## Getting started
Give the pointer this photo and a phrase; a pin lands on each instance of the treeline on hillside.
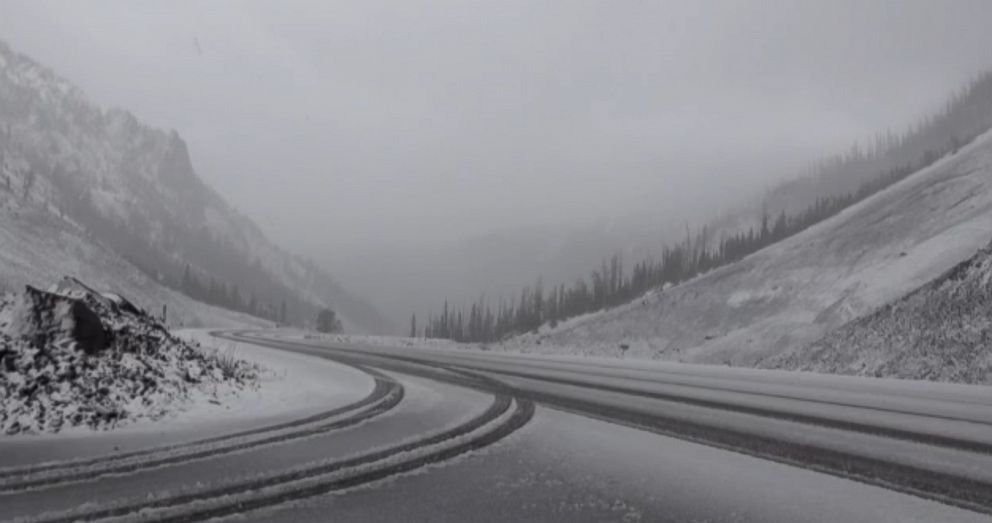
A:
(213, 292)
(966, 116)
(237, 290)
(611, 284)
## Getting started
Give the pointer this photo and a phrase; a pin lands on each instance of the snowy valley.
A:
(509, 261)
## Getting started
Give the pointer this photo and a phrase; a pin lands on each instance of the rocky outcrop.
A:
(71, 356)
(45, 319)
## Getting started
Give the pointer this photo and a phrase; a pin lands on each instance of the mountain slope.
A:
(941, 331)
(964, 116)
(133, 188)
(496, 264)
(37, 246)
(793, 292)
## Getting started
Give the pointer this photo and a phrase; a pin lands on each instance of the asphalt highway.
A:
(440, 435)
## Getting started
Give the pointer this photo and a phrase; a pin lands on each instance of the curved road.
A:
(458, 436)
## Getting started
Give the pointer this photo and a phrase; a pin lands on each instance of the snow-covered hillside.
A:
(942, 331)
(790, 294)
(133, 188)
(37, 247)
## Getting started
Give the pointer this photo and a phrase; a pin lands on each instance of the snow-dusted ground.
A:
(426, 408)
(563, 467)
(791, 293)
(559, 467)
(291, 386)
(577, 470)
(374, 341)
(443, 350)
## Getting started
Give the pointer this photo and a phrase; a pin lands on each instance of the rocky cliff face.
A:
(133, 188)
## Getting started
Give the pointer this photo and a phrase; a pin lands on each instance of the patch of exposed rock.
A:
(71, 356)
(939, 332)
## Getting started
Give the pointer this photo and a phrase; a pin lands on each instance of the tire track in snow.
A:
(963, 492)
(270, 490)
(809, 419)
(929, 438)
(384, 397)
(373, 396)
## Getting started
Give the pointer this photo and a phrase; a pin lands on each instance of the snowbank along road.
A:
(457, 436)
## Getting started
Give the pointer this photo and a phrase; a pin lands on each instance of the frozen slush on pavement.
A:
(71, 356)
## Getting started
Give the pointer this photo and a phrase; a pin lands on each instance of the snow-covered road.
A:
(292, 386)
(434, 435)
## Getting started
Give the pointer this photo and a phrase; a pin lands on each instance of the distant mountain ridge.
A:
(134, 189)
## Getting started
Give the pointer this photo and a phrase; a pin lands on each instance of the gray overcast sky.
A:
(337, 122)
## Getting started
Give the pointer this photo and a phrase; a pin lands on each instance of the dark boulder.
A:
(88, 330)
(43, 318)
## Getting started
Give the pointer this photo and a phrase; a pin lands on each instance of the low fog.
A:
(429, 149)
